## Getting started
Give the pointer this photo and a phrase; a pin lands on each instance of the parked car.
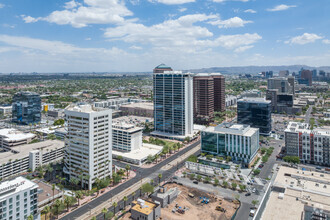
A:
(248, 194)
(254, 190)
(261, 166)
(195, 181)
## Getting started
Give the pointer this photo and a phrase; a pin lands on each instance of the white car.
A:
(254, 190)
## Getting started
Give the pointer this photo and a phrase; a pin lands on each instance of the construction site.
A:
(195, 204)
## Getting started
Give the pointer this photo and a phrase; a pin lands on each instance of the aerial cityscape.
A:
(164, 110)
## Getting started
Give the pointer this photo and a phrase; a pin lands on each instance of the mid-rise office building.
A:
(173, 103)
(283, 73)
(126, 137)
(209, 96)
(241, 142)
(282, 85)
(255, 112)
(11, 137)
(26, 108)
(18, 199)
(88, 143)
(306, 77)
(311, 146)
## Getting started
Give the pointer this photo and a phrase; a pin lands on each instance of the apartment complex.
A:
(209, 96)
(173, 103)
(88, 143)
(18, 199)
(24, 157)
(241, 142)
(255, 112)
(26, 108)
(126, 137)
(311, 146)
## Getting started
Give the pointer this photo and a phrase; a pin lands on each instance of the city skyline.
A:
(133, 36)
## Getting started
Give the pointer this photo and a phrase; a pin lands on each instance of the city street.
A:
(140, 174)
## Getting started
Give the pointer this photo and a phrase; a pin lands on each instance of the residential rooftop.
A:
(305, 128)
(23, 150)
(122, 126)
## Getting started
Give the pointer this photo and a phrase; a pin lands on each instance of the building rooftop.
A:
(254, 100)
(162, 66)
(297, 188)
(12, 134)
(140, 154)
(305, 128)
(125, 127)
(23, 150)
(230, 128)
(143, 105)
(10, 187)
(144, 207)
(85, 108)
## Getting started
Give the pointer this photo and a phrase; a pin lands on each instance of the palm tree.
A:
(97, 182)
(67, 202)
(78, 197)
(57, 205)
(125, 200)
(45, 211)
(127, 168)
(53, 189)
(114, 204)
(30, 217)
(49, 169)
(159, 178)
(104, 211)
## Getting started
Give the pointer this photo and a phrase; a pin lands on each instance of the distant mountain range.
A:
(256, 69)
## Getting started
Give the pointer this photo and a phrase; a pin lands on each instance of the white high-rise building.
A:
(88, 144)
(18, 199)
(173, 103)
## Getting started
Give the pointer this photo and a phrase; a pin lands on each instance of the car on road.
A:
(175, 177)
(195, 181)
(254, 190)
(248, 194)
(261, 166)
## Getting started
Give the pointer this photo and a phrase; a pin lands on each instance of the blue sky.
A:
(137, 35)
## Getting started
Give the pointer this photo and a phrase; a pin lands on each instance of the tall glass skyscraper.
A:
(26, 108)
(255, 112)
(173, 102)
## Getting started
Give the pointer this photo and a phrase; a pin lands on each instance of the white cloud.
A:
(92, 12)
(230, 23)
(172, 2)
(219, 1)
(2, 5)
(326, 41)
(179, 34)
(135, 47)
(88, 38)
(243, 48)
(9, 26)
(29, 19)
(281, 7)
(250, 11)
(71, 4)
(304, 39)
(182, 9)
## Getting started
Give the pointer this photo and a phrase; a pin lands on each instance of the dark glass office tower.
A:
(255, 112)
(26, 108)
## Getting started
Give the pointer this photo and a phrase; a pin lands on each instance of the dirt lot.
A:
(196, 209)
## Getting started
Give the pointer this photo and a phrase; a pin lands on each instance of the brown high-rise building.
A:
(306, 76)
(209, 96)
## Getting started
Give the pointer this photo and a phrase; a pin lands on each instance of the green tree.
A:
(78, 196)
(229, 158)
(114, 204)
(147, 188)
(255, 202)
(125, 200)
(216, 181)
(225, 184)
(127, 168)
(207, 179)
(199, 178)
(256, 171)
(68, 201)
(30, 217)
(53, 189)
(192, 158)
(45, 211)
(192, 176)
(233, 185)
(150, 158)
(242, 187)
(159, 178)
(104, 211)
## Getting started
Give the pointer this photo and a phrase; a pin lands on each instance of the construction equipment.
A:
(191, 195)
(219, 208)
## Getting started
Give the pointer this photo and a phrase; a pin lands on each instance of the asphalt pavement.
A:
(141, 173)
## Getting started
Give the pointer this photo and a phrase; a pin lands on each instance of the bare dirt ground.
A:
(196, 209)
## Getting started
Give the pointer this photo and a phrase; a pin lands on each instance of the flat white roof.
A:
(85, 108)
(6, 107)
(140, 154)
(12, 134)
(11, 187)
(26, 148)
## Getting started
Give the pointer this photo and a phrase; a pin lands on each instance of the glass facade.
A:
(26, 108)
(169, 103)
(256, 114)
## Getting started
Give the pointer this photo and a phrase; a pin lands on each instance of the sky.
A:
(137, 35)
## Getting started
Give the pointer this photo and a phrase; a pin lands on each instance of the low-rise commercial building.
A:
(145, 210)
(11, 137)
(18, 199)
(22, 158)
(5, 110)
(311, 146)
(165, 197)
(241, 142)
